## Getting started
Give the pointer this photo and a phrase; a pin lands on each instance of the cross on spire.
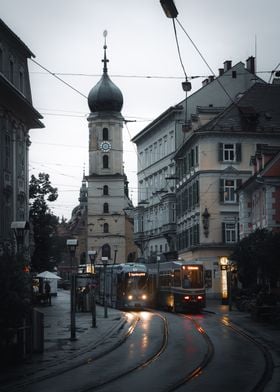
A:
(105, 61)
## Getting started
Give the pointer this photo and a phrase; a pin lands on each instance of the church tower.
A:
(107, 183)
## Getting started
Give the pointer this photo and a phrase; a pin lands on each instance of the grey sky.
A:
(66, 36)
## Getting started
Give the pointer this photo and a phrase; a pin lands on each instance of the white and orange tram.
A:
(177, 285)
(122, 286)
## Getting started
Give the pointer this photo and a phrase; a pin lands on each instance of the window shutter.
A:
(220, 152)
(223, 233)
(238, 152)
(238, 183)
(222, 191)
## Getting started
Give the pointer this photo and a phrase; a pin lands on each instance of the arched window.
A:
(105, 161)
(106, 251)
(105, 190)
(106, 207)
(105, 134)
(105, 228)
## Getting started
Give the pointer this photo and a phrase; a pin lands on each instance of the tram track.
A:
(269, 366)
(140, 366)
(260, 383)
(54, 368)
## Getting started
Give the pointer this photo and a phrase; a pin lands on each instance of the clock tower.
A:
(109, 233)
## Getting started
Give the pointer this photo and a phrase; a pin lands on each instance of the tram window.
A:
(177, 278)
(193, 277)
(165, 280)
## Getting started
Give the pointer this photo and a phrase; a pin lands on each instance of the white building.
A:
(155, 216)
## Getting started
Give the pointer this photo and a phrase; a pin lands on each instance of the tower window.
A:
(105, 134)
(105, 162)
(105, 228)
(106, 251)
(105, 207)
(105, 190)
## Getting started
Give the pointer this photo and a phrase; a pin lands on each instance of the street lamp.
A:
(92, 256)
(226, 280)
(72, 245)
(169, 8)
(105, 263)
(20, 228)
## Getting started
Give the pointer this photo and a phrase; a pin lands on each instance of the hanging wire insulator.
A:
(186, 85)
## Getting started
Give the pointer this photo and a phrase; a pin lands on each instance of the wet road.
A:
(168, 352)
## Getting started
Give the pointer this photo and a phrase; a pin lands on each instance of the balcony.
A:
(168, 229)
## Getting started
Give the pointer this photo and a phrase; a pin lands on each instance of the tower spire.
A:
(105, 61)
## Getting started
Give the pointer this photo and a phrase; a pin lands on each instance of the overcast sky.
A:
(66, 36)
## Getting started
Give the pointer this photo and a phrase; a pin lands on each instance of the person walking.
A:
(48, 293)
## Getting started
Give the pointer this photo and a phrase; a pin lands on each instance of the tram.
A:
(122, 286)
(177, 286)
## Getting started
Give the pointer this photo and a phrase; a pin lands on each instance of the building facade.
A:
(109, 226)
(211, 165)
(17, 117)
(259, 206)
(155, 220)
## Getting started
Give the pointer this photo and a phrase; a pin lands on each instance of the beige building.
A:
(110, 228)
(211, 165)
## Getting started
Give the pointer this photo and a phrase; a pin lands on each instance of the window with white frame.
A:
(229, 152)
(229, 232)
(228, 190)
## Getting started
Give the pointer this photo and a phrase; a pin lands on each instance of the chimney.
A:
(227, 65)
(211, 78)
(221, 71)
(250, 64)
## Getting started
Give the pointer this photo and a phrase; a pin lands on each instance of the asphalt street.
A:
(60, 351)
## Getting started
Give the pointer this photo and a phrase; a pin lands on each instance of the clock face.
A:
(105, 146)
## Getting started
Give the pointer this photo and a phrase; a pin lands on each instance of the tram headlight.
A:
(187, 297)
(144, 296)
(130, 297)
(200, 297)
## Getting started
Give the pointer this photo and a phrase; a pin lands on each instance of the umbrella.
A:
(48, 275)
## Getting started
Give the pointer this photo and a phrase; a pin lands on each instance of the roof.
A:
(6, 29)
(256, 111)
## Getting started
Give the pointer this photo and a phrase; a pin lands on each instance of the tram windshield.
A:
(192, 276)
(136, 280)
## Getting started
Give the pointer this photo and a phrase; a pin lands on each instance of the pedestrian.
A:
(48, 293)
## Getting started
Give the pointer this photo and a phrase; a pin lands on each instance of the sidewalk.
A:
(61, 353)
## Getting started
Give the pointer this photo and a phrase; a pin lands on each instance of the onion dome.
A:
(105, 95)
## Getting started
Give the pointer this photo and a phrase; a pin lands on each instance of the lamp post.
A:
(226, 281)
(115, 253)
(105, 262)
(72, 245)
(92, 256)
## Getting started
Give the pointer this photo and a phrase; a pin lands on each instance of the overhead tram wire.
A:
(204, 60)
(57, 77)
